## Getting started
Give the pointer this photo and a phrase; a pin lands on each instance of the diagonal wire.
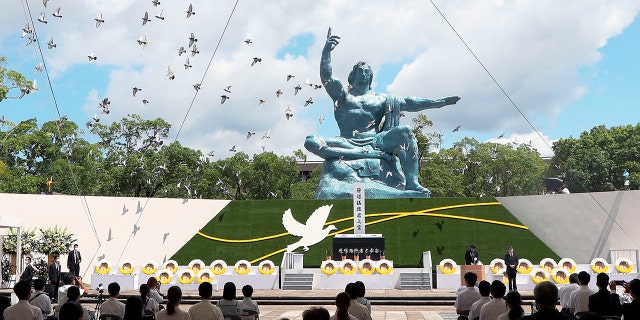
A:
(523, 116)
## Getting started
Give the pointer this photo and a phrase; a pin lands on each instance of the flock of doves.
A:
(190, 51)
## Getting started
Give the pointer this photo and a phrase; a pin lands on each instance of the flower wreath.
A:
(448, 266)
(539, 274)
(348, 266)
(497, 266)
(150, 270)
(202, 273)
(103, 267)
(599, 265)
(266, 267)
(124, 269)
(196, 262)
(548, 264)
(567, 261)
(364, 269)
(171, 265)
(384, 266)
(184, 272)
(329, 267)
(621, 268)
(555, 275)
(164, 276)
(524, 270)
(240, 263)
(221, 263)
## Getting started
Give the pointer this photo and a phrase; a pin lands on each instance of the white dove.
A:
(311, 232)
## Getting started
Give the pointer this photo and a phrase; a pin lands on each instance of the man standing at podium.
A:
(511, 260)
(471, 256)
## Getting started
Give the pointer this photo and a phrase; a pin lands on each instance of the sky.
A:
(566, 65)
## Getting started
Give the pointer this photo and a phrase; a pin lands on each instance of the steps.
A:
(415, 281)
(297, 281)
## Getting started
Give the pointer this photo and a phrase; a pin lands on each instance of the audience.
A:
(133, 308)
(632, 310)
(565, 293)
(514, 307)
(315, 313)
(73, 294)
(71, 310)
(149, 305)
(205, 310)
(154, 290)
(579, 299)
(361, 290)
(546, 296)
(356, 309)
(485, 289)
(343, 301)
(229, 306)
(604, 302)
(174, 297)
(112, 305)
(492, 309)
(40, 299)
(468, 295)
(22, 310)
(250, 310)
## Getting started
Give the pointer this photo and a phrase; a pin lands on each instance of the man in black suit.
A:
(55, 275)
(471, 256)
(29, 271)
(546, 296)
(511, 260)
(73, 261)
(632, 310)
(604, 302)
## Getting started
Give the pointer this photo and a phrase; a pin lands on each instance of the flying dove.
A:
(160, 16)
(51, 44)
(311, 232)
(233, 149)
(456, 128)
(135, 90)
(197, 86)
(288, 113)
(57, 13)
(190, 12)
(170, 74)
(194, 50)
(145, 18)
(92, 57)
(289, 77)
(227, 89)
(249, 134)
(181, 50)
(256, 60)
(261, 102)
(192, 39)
(266, 135)
(44, 2)
(278, 93)
(321, 118)
(187, 65)
(224, 98)
(155, 3)
(297, 89)
(144, 102)
(99, 19)
(42, 18)
(308, 102)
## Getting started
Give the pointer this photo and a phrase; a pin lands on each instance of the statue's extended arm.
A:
(418, 104)
(334, 87)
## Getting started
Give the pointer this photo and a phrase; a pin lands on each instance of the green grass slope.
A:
(406, 236)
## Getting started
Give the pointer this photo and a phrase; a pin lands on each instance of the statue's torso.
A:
(360, 114)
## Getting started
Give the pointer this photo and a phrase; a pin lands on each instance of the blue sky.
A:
(568, 66)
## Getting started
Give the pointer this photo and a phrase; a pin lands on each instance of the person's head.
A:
(546, 294)
(343, 301)
(73, 293)
(133, 308)
(68, 278)
(361, 75)
(510, 249)
(144, 291)
(174, 296)
(71, 310)
(316, 313)
(485, 288)
(351, 290)
(152, 282)
(27, 259)
(514, 303)
(229, 291)
(634, 288)
(22, 289)
(75, 246)
(38, 284)
(205, 290)
(360, 288)
(56, 258)
(584, 278)
(473, 246)
(247, 291)
(114, 289)
(573, 278)
(602, 280)
(497, 289)
(470, 278)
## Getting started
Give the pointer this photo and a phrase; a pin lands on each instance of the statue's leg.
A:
(401, 141)
(336, 148)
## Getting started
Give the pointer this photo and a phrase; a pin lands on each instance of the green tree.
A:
(306, 189)
(11, 80)
(272, 176)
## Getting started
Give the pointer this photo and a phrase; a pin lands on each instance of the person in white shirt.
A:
(154, 290)
(514, 307)
(468, 296)
(22, 310)
(69, 281)
(343, 301)
(149, 305)
(579, 299)
(173, 312)
(361, 292)
(565, 293)
(73, 294)
(356, 309)
(112, 305)
(205, 310)
(485, 289)
(492, 309)
(250, 310)
(40, 299)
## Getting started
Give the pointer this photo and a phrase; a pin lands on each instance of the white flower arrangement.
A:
(127, 267)
(242, 267)
(548, 264)
(205, 275)
(186, 276)
(266, 267)
(103, 267)
(150, 267)
(171, 265)
(348, 266)
(497, 266)
(624, 265)
(164, 276)
(367, 266)
(218, 267)
(524, 266)
(539, 274)
(329, 267)
(599, 265)
(384, 266)
(448, 266)
(568, 264)
(560, 275)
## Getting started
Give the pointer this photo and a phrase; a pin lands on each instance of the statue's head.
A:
(361, 74)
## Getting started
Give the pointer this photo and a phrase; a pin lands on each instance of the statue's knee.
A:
(311, 143)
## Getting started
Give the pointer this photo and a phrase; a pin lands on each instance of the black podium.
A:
(362, 245)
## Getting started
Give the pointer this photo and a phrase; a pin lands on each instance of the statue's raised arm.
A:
(333, 86)
(413, 104)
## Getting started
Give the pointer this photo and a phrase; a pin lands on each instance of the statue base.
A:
(382, 179)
